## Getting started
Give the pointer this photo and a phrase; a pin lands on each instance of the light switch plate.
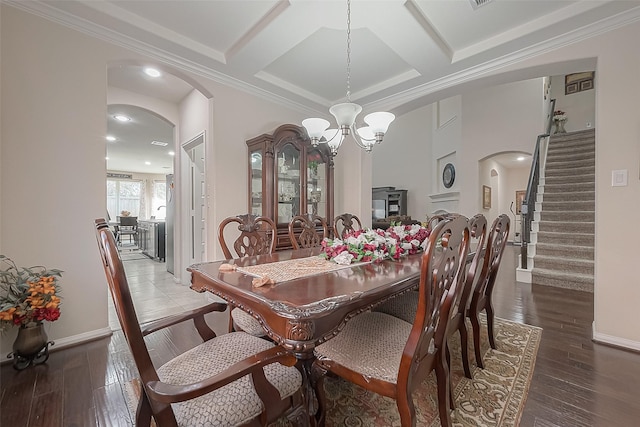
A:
(619, 178)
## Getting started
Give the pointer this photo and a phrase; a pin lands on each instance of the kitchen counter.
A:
(152, 238)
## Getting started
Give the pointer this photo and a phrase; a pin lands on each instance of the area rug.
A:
(132, 256)
(494, 397)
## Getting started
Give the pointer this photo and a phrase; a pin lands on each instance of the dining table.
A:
(306, 299)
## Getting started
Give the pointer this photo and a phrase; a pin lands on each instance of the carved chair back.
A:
(345, 224)
(257, 235)
(482, 293)
(309, 236)
(442, 270)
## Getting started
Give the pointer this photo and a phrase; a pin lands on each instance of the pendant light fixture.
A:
(346, 114)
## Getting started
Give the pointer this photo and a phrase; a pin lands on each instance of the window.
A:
(123, 196)
(159, 200)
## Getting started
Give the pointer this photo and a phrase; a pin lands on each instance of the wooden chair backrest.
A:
(119, 287)
(496, 242)
(477, 233)
(309, 236)
(257, 236)
(128, 221)
(442, 269)
(347, 222)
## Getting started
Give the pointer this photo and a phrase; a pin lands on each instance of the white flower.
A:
(407, 246)
(343, 258)
(336, 243)
(352, 241)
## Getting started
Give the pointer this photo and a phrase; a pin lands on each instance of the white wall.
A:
(580, 107)
(505, 118)
(403, 160)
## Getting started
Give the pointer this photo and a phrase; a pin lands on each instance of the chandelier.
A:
(366, 137)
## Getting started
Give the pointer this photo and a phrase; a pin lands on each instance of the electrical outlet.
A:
(588, 124)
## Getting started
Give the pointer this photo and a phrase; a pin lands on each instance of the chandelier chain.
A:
(348, 50)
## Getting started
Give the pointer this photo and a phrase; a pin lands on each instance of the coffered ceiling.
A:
(404, 53)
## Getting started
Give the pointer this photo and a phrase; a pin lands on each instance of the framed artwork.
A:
(519, 199)
(486, 197)
(578, 82)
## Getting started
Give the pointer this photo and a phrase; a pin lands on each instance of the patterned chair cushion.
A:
(370, 344)
(403, 307)
(246, 323)
(237, 402)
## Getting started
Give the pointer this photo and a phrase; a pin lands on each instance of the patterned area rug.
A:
(494, 397)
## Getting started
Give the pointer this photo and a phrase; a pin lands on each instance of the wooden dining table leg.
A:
(305, 364)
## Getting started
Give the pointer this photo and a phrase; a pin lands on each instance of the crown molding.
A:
(482, 70)
(68, 20)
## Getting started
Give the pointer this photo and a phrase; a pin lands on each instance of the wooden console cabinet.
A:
(288, 177)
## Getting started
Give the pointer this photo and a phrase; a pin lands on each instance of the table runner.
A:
(291, 269)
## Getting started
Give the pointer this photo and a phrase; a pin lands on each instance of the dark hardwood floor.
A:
(576, 382)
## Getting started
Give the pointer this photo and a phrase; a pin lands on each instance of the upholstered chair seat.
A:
(236, 403)
(378, 359)
(403, 307)
(247, 323)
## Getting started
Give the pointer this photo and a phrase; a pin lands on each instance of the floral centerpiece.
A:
(376, 245)
(559, 116)
(28, 295)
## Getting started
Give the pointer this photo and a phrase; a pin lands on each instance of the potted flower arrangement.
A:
(28, 296)
(376, 245)
(559, 118)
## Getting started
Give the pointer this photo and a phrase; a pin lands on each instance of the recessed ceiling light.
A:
(172, 153)
(111, 138)
(152, 72)
(147, 163)
(521, 158)
(160, 143)
(122, 118)
(106, 158)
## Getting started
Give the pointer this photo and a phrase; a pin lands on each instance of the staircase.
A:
(565, 214)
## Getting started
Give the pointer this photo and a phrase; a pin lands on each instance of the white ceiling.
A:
(404, 53)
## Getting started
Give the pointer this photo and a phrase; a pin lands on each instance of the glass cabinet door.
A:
(256, 182)
(316, 184)
(288, 183)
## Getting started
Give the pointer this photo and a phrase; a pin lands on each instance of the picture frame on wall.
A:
(578, 82)
(519, 199)
(486, 197)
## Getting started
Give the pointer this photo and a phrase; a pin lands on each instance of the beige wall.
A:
(580, 107)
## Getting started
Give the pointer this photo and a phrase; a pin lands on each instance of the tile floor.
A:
(155, 292)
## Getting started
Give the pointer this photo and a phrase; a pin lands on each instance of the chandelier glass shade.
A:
(346, 114)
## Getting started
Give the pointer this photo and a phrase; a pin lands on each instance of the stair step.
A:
(567, 206)
(565, 265)
(569, 187)
(569, 171)
(570, 179)
(570, 196)
(588, 216)
(577, 239)
(567, 251)
(570, 147)
(566, 227)
(572, 136)
(553, 157)
(581, 282)
(574, 163)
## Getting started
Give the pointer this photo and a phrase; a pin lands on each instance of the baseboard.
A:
(71, 341)
(614, 341)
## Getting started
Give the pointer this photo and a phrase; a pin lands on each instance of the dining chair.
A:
(233, 379)
(482, 294)
(128, 227)
(308, 236)
(255, 235)
(345, 224)
(392, 357)
(434, 220)
(405, 306)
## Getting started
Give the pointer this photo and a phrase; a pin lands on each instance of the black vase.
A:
(31, 346)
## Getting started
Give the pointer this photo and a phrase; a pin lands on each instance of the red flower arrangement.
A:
(375, 245)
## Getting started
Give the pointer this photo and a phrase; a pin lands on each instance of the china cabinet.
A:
(289, 177)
